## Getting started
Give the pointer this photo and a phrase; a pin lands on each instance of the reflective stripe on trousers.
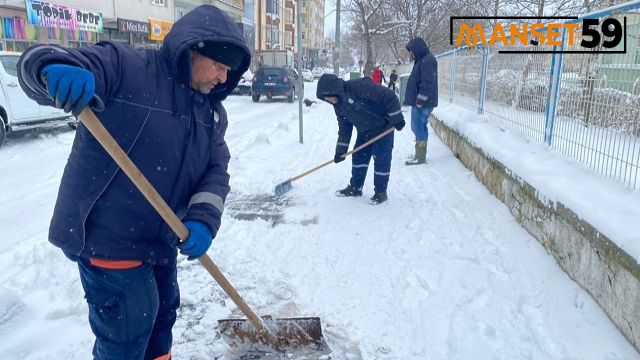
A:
(381, 152)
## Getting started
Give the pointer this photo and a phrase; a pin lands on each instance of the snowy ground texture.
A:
(440, 271)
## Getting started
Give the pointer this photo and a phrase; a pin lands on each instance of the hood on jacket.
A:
(330, 85)
(418, 47)
(206, 23)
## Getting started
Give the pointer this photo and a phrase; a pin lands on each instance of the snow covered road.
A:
(440, 271)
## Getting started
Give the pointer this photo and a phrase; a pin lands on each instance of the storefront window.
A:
(19, 46)
(54, 34)
(16, 34)
(78, 38)
(142, 41)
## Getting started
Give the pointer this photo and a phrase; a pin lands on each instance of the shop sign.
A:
(132, 26)
(41, 13)
(159, 29)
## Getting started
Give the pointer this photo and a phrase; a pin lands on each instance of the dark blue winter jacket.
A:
(422, 86)
(175, 136)
(369, 107)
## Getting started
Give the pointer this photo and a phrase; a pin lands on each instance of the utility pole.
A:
(336, 52)
(299, 87)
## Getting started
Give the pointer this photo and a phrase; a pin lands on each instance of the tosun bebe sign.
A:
(47, 14)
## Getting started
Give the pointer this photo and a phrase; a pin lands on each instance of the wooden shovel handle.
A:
(371, 141)
(105, 139)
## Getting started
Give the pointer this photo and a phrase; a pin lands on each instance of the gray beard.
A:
(204, 91)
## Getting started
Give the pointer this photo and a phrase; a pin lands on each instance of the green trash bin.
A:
(404, 79)
(354, 75)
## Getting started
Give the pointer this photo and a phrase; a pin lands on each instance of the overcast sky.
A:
(330, 16)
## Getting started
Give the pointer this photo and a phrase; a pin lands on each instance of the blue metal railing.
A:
(586, 106)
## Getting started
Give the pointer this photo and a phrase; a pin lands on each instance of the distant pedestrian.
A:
(421, 95)
(371, 109)
(378, 75)
(392, 80)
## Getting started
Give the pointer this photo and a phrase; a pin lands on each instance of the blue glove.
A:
(199, 239)
(71, 87)
(399, 126)
(338, 158)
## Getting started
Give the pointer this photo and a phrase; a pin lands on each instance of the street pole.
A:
(299, 67)
(336, 53)
(360, 61)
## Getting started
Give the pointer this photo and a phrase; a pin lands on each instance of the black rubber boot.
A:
(349, 191)
(378, 198)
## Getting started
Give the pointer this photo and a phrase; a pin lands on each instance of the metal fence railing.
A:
(586, 105)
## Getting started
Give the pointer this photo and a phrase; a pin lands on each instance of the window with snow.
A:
(272, 7)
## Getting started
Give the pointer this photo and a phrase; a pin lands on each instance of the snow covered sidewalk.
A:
(440, 271)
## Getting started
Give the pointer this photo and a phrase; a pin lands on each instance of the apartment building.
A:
(74, 23)
(275, 22)
(270, 25)
(312, 31)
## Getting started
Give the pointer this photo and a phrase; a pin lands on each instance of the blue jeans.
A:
(131, 311)
(381, 152)
(419, 121)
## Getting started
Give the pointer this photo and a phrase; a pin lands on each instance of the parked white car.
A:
(17, 111)
(307, 75)
(317, 72)
(244, 86)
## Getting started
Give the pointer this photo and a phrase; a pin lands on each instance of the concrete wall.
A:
(610, 275)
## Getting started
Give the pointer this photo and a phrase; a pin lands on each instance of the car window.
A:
(271, 72)
(10, 64)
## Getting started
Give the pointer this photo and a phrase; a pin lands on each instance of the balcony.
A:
(273, 20)
(235, 3)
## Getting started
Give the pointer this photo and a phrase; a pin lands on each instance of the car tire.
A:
(3, 131)
(292, 96)
(255, 98)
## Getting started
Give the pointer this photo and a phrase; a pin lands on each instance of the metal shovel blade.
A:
(283, 187)
(293, 335)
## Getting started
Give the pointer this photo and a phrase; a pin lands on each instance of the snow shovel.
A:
(281, 335)
(285, 186)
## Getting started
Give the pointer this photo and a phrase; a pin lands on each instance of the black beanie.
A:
(228, 54)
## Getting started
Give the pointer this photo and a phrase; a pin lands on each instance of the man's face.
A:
(206, 73)
(331, 99)
(411, 56)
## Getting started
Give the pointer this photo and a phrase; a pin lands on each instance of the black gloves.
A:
(338, 158)
(399, 126)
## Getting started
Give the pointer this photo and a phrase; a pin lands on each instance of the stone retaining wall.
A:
(609, 274)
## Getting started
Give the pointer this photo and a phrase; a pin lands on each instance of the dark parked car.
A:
(275, 81)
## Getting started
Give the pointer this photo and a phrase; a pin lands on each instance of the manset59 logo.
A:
(592, 35)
